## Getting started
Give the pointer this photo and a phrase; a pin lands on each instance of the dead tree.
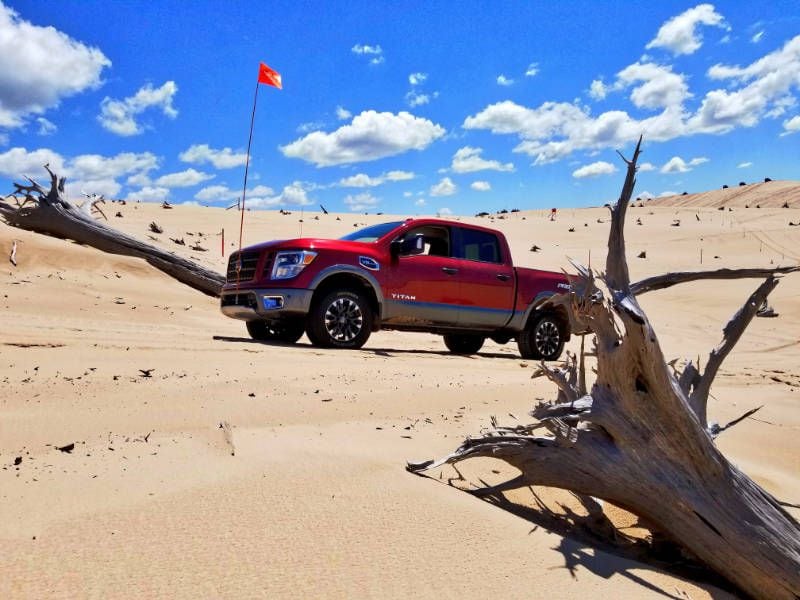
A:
(50, 213)
(639, 437)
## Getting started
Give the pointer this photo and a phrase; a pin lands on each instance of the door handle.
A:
(503, 276)
(450, 270)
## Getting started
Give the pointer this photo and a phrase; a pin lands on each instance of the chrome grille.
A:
(249, 263)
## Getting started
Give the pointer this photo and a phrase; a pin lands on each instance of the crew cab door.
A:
(423, 289)
(487, 279)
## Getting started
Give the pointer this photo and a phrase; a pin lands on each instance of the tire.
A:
(543, 339)
(284, 331)
(460, 343)
(342, 319)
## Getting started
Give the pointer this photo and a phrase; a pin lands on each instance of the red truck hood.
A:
(312, 244)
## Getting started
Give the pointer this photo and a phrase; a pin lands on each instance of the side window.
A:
(436, 240)
(479, 245)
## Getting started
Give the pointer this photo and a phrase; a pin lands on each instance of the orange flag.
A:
(269, 76)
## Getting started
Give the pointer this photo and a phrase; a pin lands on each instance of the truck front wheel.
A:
(342, 319)
(543, 338)
(459, 343)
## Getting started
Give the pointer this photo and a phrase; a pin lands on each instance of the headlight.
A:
(290, 264)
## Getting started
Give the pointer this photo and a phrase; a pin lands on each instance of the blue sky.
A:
(404, 107)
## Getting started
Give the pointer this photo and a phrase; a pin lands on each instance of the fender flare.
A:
(340, 269)
(540, 299)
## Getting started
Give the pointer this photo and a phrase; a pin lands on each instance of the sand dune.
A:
(150, 501)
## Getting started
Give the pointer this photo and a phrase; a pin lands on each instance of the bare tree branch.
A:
(660, 282)
(50, 213)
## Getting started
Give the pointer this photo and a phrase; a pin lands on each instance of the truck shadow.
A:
(386, 352)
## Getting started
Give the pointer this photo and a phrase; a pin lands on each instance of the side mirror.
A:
(410, 246)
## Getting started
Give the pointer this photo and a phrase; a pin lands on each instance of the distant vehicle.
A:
(428, 275)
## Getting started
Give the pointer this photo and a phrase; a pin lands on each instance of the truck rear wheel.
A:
(342, 319)
(285, 331)
(461, 343)
(543, 339)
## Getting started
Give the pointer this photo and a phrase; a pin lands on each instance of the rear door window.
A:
(477, 245)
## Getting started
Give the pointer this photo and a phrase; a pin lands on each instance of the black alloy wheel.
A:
(543, 339)
(343, 319)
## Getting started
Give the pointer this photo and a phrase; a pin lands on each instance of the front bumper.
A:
(265, 304)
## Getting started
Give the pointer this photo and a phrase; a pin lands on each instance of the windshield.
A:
(370, 234)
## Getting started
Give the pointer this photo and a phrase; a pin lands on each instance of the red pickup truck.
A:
(431, 275)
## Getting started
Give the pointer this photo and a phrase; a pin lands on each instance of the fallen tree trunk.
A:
(639, 438)
(50, 213)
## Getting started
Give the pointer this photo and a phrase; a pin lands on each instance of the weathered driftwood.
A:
(639, 438)
(37, 210)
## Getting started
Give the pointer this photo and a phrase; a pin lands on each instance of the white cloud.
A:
(361, 202)
(660, 87)
(95, 166)
(744, 165)
(186, 178)
(415, 99)
(646, 166)
(219, 193)
(417, 78)
(444, 211)
(766, 91)
(139, 179)
(310, 126)
(294, 194)
(376, 52)
(221, 159)
(481, 186)
(342, 113)
(645, 195)
(503, 80)
(667, 193)
(91, 173)
(46, 127)
(190, 203)
(757, 37)
(108, 188)
(677, 165)
(149, 194)
(680, 34)
(791, 125)
(598, 89)
(532, 70)
(468, 160)
(39, 66)
(119, 116)
(420, 202)
(445, 187)
(370, 136)
(554, 130)
(366, 49)
(594, 170)
(361, 180)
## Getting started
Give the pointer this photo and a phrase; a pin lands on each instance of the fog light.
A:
(272, 302)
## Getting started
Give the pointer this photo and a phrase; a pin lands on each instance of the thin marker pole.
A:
(244, 188)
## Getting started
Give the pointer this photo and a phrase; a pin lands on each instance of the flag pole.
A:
(244, 188)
